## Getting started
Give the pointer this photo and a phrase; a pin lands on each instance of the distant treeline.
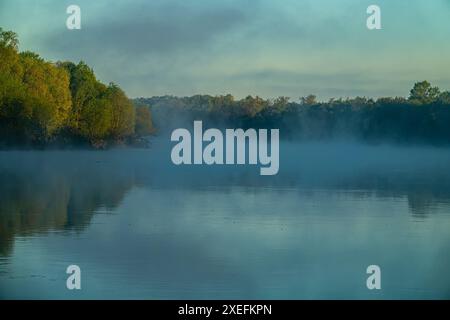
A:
(43, 103)
(423, 117)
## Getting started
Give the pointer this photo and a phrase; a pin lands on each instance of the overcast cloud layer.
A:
(260, 47)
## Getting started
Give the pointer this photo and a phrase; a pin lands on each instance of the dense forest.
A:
(422, 118)
(63, 103)
(44, 103)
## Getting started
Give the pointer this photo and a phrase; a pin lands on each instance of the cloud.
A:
(263, 47)
(166, 29)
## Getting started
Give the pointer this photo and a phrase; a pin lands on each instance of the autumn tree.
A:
(41, 100)
(122, 112)
(251, 106)
(143, 122)
(47, 103)
(35, 98)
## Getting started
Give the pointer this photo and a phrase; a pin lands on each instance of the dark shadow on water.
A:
(39, 194)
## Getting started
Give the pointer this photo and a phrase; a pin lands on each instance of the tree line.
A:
(423, 117)
(43, 102)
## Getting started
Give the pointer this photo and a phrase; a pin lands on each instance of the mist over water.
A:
(141, 227)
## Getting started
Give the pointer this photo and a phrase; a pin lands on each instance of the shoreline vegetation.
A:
(63, 105)
(421, 119)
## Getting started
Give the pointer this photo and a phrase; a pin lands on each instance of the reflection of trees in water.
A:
(421, 203)
(41, 199)
(424, 191)
(41, 192)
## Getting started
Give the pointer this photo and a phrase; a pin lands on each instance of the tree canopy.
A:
(41, 101)
(424, 93)
(421, 118)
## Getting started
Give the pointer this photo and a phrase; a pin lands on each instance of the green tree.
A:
(122, 112)
(250, 106)
(9, 39)
(280, 104)
(39, 99)
(95, 121)
(91, 115)
(34, 94)
(444, 98)
(309, 100)
(11, 72)
(85, 89)
(48, 100)
(143, 124)
(423, 93)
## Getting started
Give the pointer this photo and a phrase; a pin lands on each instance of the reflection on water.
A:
(41, 194)
(142, 228)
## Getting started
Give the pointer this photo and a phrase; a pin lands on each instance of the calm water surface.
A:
(139, 227)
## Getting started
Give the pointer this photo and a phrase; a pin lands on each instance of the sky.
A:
(268, 48)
